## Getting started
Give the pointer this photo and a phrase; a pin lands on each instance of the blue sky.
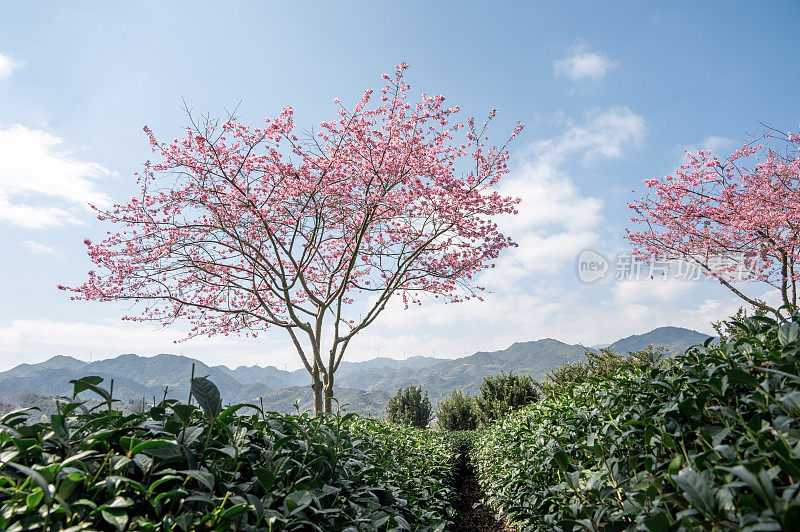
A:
(611, 94)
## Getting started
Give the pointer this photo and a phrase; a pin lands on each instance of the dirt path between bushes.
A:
(471, 514)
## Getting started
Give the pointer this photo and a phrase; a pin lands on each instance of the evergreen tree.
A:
(409, 407)
(457, 412)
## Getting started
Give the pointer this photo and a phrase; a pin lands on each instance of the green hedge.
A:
(709, 440)
(177, 467)
(457, 412)
(502, 394)
(409, 407)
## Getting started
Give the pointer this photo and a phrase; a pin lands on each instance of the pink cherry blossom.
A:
(726, 215)
(237, 229)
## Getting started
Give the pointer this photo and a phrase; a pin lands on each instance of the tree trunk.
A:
(316, 385)
(329, 393)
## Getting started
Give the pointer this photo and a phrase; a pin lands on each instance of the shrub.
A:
(726, 330)
(710, 441)
(563, 378)
(502, 394)
(409, 407)
(177, 467)
(457, 412)
(603, 363)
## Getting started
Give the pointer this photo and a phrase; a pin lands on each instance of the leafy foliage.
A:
(708, 441)
(177, 467)
(603, 363)
(503, 393)
(457, 412)
(207, 396)
(409, 407)
(563, 378)
(726, 330)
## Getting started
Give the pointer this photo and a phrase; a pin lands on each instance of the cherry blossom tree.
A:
(239, 229)
(738, 219)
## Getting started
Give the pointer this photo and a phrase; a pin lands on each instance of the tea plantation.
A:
(178, 467)
(709, 440)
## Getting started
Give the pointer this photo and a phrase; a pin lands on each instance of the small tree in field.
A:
(239, 229)
(503, 393)
(409, 407)
(737, 219)
(457, 412)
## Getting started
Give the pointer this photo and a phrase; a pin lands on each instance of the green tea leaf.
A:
(657, 523)
(204, 477)
(157, 448)
(207, 395)
(788, 333)
(89, 383)
(35, 476)
(265, 477)
(760, 483)
(696, 490)
(298, 501)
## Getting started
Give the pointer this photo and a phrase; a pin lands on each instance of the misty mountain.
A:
(134, 377)
(676, 339)
(270, 376)
(534, 358)
(364, 386)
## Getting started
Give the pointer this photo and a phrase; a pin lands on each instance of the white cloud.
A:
(632, 292)
(7, 65)
(604, 135)
(555, 221)
(717, 144)
(638, 307)
(549, 198)
(33, 217)
(40, 186)
(38, 248)
(720, 147)
(494, 311)
(456, 330)
(579, 64)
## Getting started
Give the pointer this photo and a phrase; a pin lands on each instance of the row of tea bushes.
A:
(179, 467)
(709, 440)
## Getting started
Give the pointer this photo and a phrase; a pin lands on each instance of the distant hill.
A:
(275, 377)
(676, 339)
(134, 377)
(365, 386)
(533, 358)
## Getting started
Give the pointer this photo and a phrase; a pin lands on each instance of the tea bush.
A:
(724, 328)
(600, 364)
(179, 467)
(709, 440)
(503, 393)
(409, 407)
(457, 412)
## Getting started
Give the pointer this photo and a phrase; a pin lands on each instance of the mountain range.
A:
(364, 387)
